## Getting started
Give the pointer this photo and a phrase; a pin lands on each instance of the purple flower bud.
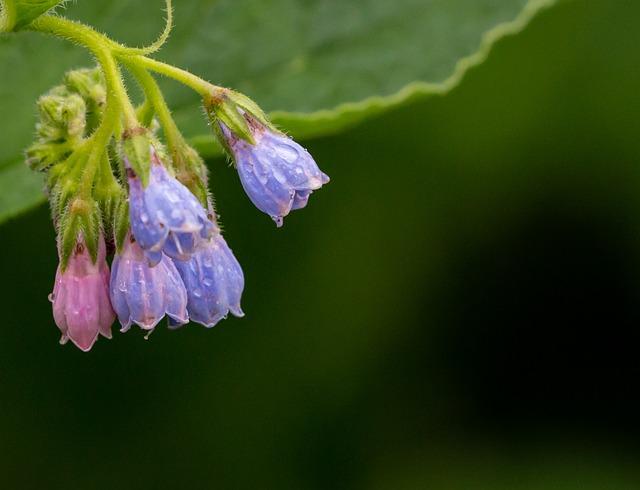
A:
(277, 174)
(81, 306)
(143, 294)
(214, 281)
(165, 216)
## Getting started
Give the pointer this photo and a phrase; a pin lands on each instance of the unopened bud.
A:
(89, 84)
(61, 116)
(136, 154)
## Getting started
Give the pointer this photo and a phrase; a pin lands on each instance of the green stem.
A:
(116, 88)
(102, 48)
(155, 46)
(96, 146)
(145, 113)
(88, 37)
(202, 87)
(118, 101)
(154, 95)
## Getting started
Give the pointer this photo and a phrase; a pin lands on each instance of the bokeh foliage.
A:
(456, 310)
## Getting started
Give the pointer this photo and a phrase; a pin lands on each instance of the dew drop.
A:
(51, 297)
(287, 153)
(279, 176)
(172, 197)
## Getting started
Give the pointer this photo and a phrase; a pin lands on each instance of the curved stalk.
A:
(155, 98)
(194, 82)
(158, 43)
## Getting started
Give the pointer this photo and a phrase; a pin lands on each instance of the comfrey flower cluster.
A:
(117, 188)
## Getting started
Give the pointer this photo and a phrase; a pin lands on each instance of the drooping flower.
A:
(142, 294)
(277, 173)
(165, 216)
(214, 281)
(81, 306)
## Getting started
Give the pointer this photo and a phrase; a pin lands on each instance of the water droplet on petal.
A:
(287, 153)
(173, 197)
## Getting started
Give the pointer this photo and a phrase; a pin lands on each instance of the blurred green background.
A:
(458, 309)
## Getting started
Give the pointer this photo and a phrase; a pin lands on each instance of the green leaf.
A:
(20, 189)
(318, 67)
(18, 13)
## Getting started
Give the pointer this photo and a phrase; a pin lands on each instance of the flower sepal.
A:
(221, 108)
(136, 154)
(80, 218)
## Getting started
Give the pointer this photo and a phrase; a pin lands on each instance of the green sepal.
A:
(145, 113)
(41, 156)
(16, 14)
(191, 171)
(221, 108)
(81, 219)
(62, 183)
(249, 106)
(136, 149)
(108, 192)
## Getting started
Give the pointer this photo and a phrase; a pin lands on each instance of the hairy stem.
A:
(101, 47)
(155, 46)
(154, 96)
(202, 87)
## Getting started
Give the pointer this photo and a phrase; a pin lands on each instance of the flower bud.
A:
(277, 173)
(60, 129)
(62, 115)
(136, 154)
(221, 108)
(214, 281)
(89, 84)
(81, 306)
(142, 294)
(165, 216)
(42, 156)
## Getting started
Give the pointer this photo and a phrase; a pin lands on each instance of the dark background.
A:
(457, 309)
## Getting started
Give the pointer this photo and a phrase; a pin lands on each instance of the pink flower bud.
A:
(81, 305)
